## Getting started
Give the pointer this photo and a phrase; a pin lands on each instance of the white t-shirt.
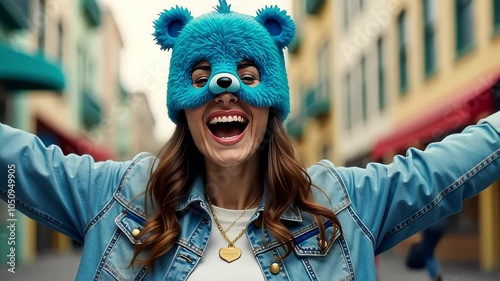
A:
(212, 267)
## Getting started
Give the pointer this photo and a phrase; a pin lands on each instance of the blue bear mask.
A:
(224, 38)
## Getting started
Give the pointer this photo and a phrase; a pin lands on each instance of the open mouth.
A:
(227, 126)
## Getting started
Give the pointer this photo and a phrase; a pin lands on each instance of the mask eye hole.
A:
(201, 74)
(201, 81)
(248, 73)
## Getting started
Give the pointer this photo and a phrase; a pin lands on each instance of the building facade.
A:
(404, 74)
(63, 93)
(141, 126)
(23, 68)
(311, 121)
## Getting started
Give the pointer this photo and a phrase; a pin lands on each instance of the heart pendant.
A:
(229, 254)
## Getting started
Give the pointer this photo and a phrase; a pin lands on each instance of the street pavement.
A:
(63, 267)
(391, 268)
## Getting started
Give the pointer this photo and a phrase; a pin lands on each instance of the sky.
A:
(144, 67)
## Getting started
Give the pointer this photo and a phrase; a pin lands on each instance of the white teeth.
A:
(226, 119)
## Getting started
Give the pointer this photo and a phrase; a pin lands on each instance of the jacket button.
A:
(275, 268)
(136, 232)
(322, 243)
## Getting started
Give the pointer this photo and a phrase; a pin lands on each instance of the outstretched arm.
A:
(397, 200)
(63, 192)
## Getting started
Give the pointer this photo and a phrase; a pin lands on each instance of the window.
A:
(403, 56)
(325, 151)
(429, 8)
(323, 63)
(346, 14)
(380, 74)
(4, 107)
(347, 98)
(40, 24)
(81, 68)
(60, 41)
(364, 99)
(496, 15)
(464, 16)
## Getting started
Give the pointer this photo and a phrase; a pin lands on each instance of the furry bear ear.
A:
(278, 23)
(169, 25)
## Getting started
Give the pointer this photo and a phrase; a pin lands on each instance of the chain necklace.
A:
(229, 253)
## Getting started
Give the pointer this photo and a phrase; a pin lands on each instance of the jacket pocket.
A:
(333, 264)
(309, 243)
(121, 248)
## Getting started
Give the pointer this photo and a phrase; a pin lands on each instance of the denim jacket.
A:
(101, 204)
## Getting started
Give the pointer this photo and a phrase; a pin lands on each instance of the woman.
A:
(226, 199)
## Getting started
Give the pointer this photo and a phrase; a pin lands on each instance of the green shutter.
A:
(380, 69)
(313, 7)
(295, 45)
(347, 97)
(91, 110)
(496, 15)
(14, 14)
(464, 26)
(403, 67)
(92, 12)
(429, 23)
(364, 99)
(315, 103)
(295, 126)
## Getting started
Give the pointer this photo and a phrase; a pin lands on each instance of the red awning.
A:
(440, 121)
(70, 143)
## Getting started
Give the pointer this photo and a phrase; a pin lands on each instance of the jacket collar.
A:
(197, 196)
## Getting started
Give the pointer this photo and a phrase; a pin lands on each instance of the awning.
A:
(70, 143)
(21, 71)
(436, 123)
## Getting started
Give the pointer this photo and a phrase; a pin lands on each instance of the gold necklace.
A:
(239, 217)
(229, 253)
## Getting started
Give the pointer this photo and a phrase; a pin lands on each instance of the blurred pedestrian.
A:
(421, 254)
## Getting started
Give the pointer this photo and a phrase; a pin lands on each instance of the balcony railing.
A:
(14, 14)
(295, 126)
(317, 103)
(91, 110)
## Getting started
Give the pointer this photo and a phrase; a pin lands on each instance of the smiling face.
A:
(226, 130)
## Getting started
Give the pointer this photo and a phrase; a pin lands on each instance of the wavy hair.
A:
(178, 166)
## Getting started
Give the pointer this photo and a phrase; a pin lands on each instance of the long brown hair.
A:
(178, 166)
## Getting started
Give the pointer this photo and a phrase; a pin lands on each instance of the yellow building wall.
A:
(489, 215)
(454, 76)
(315, 31)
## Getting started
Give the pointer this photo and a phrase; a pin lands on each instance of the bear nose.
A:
(224, 82)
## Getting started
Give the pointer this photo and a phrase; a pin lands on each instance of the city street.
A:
(391, 268)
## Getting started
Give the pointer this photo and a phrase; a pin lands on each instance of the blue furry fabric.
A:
(224, 38)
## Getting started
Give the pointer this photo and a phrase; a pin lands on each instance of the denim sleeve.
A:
(397, 200)
(62, 192)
